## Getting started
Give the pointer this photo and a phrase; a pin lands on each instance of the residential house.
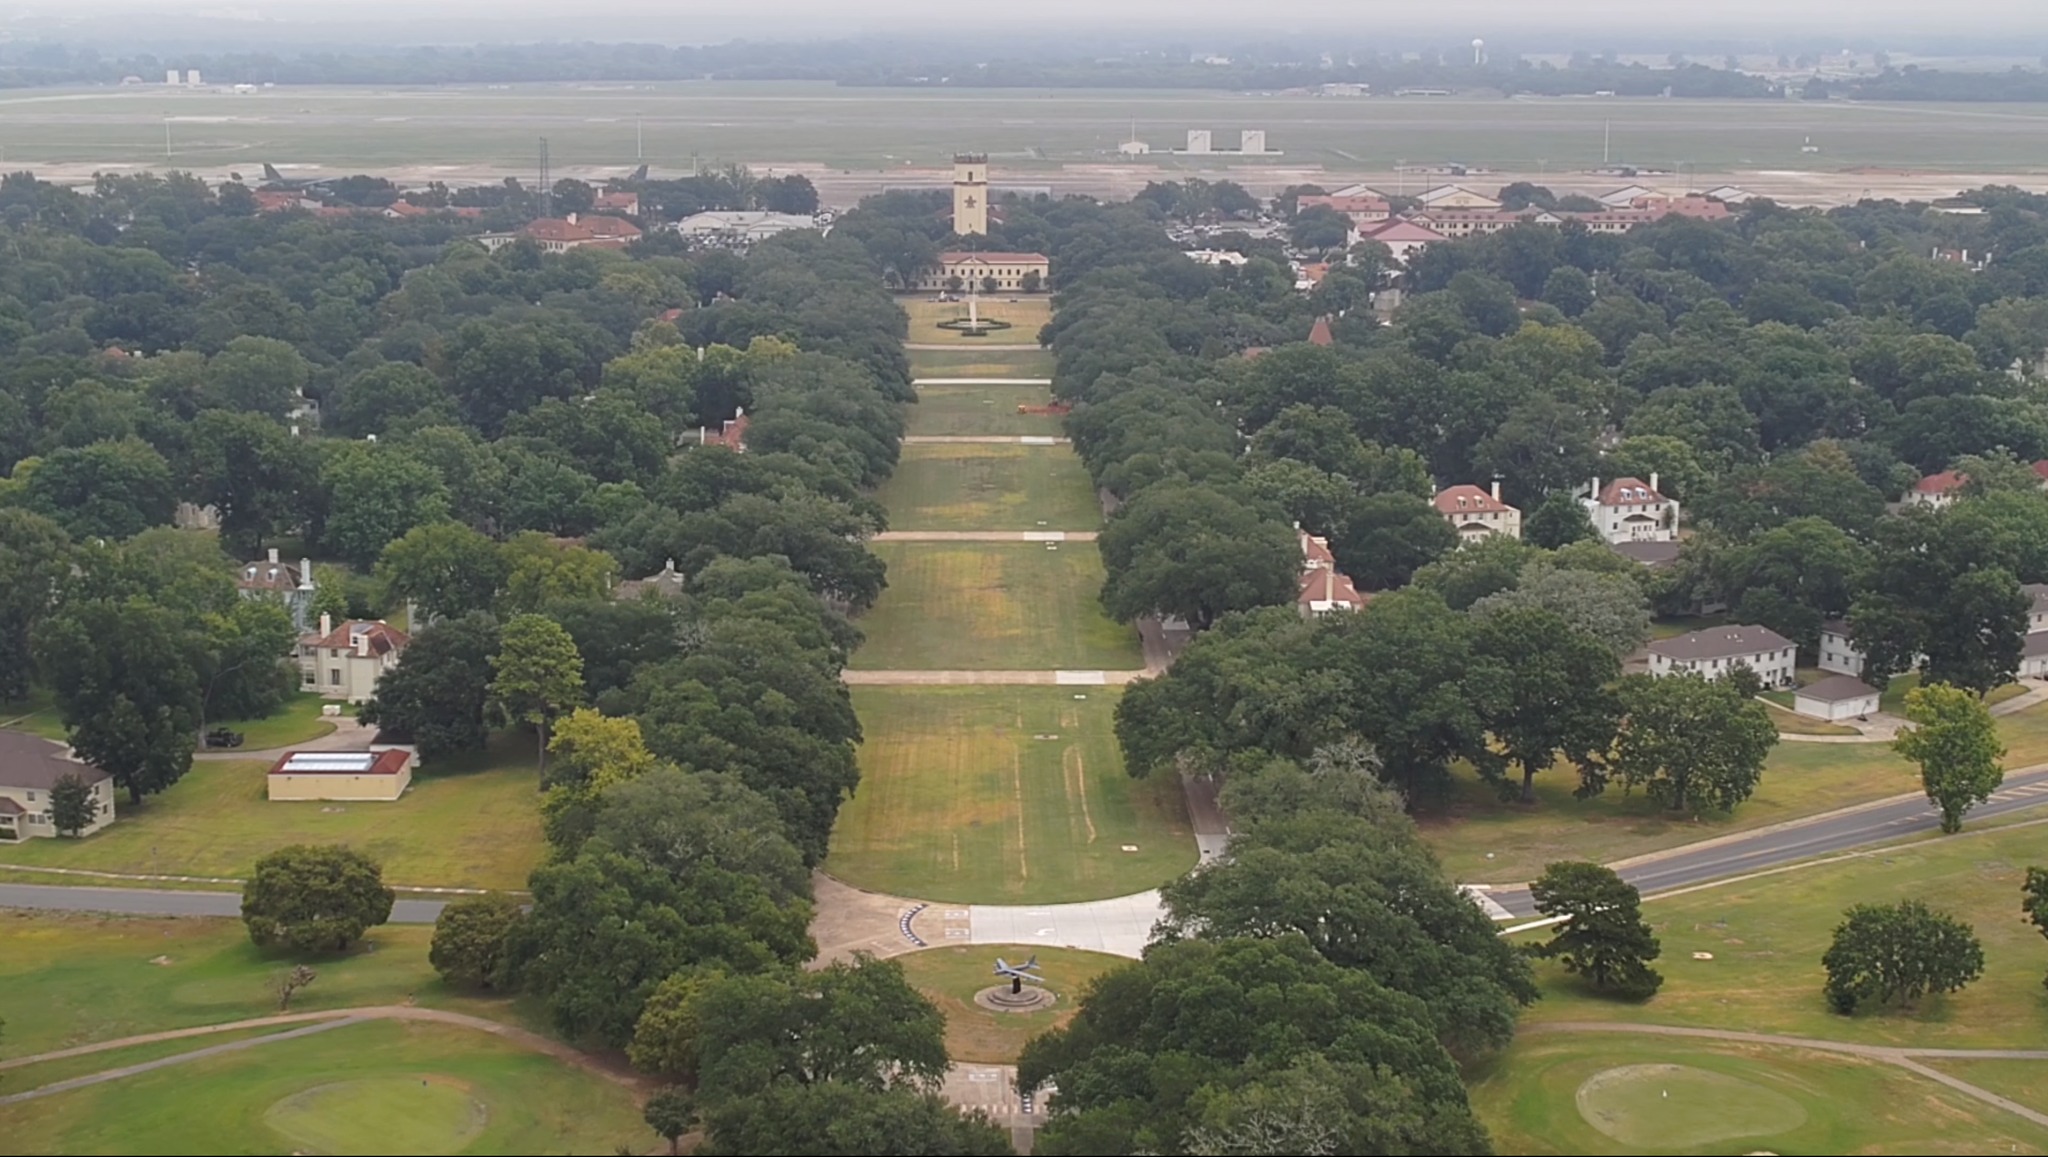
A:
(973, 270)
(1367, 209)
(30, 767)
(1837, 653)
(1323, 588)
(1400, 237)
(1836, 697)
(665, 583)
(345, 661)
(1937, 491)
(1655, 555)
(1475, 514)
(731, 434)
(1718, 651)
(1631, 510)
(356, 776)
(2034, 656)
(1309, 275)
(1455, 197)
(289, 584)
(1217, 257)
(561, 234)
(617, 201)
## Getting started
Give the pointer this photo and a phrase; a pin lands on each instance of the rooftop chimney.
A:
(1595, 495)
(1496, 490)
(326, 624)
(305, 574)
(273, 555)
(1653, 480)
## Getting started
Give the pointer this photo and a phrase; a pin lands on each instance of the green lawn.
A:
(1026, 313)
(37, 715)
(1485, 840)
(296, 722)
(982, 410)
(1607, 1093)
(990, 487)
(1766, 937)
(2022, 1081)
(951, 976)
(993, 606)
(1003, 795)
(78, 978)
(35, 1076)
(475, 829)
(1792, 723)
(1801, 779)
(969, 363)
(383, 1087)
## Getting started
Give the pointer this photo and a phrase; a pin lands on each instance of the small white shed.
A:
(1836, 697)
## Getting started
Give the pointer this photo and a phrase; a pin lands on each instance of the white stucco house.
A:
(1717, 651)
(1631, 510)
(1476, 514)
(1836, 697)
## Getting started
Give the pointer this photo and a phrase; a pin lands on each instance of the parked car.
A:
(222, 737)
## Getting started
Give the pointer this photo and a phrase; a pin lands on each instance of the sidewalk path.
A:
(1902, 1057)
(991, 678)
(986, 536)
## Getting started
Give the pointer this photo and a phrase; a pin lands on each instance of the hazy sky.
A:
(699, 21)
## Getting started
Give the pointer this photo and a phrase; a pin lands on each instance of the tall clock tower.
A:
(970, 194)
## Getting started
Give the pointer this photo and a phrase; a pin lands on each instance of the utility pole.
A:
(639, 141)
(1606, 141)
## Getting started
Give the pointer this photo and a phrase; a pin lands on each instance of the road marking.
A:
(1080, 678)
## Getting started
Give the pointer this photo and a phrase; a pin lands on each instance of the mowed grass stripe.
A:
(981, 363)
(1003, 795)
(993, 607)
(1026, 315)
(979, 486)
(982, 410)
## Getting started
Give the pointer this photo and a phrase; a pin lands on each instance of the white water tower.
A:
(1478, 52)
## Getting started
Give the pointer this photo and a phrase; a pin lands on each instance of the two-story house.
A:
(345, 661)
(1716, 651)
(30, 767)
(289, 584)
(1323, 589)
(1937, 491)
(1631, 510)
(1839, 655)
(1475, 513)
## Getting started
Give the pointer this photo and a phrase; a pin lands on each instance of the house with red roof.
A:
(1401, 237)
(732, 434)
(974, 269)
(1938, 491)
(1323, 589)
(1319, 333)
(1631, 510)
(1476, 514)
(1366, 209)
(561, 234)
(345, 661)
(617, 202)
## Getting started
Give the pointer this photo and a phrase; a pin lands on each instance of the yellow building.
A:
(366, 776)
(1011, 272)
(970, 194)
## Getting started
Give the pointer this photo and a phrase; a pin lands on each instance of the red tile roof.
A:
(1402, 231)
(1315, 552)
(1468, 499)
(2040, 469)
(1940, 483)
(1629, 492)
(1319, 333)
(384, 638)
(390, 761)
(1321, 585)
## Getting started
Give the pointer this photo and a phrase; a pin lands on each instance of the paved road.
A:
(922, 678)
(154, 902)
(1739, 854)
(1712, 860)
